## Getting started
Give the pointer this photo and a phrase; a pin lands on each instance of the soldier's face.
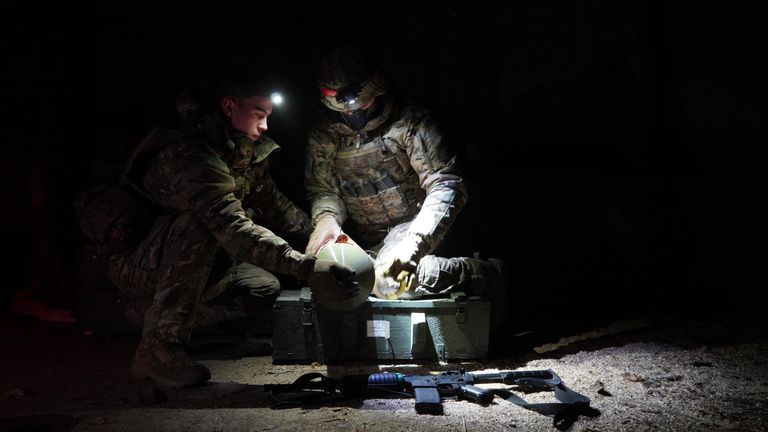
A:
(248, 115)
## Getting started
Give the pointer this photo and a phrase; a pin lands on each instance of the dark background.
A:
(614, 149)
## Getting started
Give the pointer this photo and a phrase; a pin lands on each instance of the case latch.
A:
(461, 307)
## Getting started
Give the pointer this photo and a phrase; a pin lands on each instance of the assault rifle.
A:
(430, 390)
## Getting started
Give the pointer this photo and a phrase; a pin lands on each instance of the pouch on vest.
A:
(116, 217)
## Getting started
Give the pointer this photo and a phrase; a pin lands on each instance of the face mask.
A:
(359, 118)
(355, 119)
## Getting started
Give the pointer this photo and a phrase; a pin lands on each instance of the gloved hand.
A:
(333, 281)
(327, 230)
(402, 258)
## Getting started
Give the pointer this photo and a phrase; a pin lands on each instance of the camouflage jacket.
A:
(223, 177)
(420, 166)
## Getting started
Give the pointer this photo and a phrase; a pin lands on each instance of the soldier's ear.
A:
(228, 106)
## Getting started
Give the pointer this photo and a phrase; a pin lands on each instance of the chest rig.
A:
(378, 185)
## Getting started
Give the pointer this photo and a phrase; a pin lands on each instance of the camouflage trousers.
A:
(438, 275)
(178, 278)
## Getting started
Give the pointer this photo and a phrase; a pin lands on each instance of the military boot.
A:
(167, 365)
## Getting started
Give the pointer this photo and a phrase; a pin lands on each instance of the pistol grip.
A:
(427, 400)
(475, 394)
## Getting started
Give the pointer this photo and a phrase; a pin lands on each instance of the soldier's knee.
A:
(268, 288)
(263, 297)
(435, 274)
(262, 286)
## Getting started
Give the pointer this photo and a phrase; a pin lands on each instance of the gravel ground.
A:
(661, 375)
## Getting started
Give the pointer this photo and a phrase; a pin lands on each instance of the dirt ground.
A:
(661, 375)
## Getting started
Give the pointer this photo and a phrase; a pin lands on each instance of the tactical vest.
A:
(378, 187)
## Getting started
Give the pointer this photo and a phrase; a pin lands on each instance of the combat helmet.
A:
(348, 81)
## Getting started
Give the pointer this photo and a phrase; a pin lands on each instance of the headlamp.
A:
(276, 98)
(352, 97)
(349, 95)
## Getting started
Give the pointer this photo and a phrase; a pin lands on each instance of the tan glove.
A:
(332, 280)
(402, 258)
(327, 230)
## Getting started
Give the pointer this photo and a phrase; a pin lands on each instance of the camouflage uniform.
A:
(212, 182)
(395, 177)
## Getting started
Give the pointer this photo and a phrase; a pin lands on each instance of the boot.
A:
(167, 365)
